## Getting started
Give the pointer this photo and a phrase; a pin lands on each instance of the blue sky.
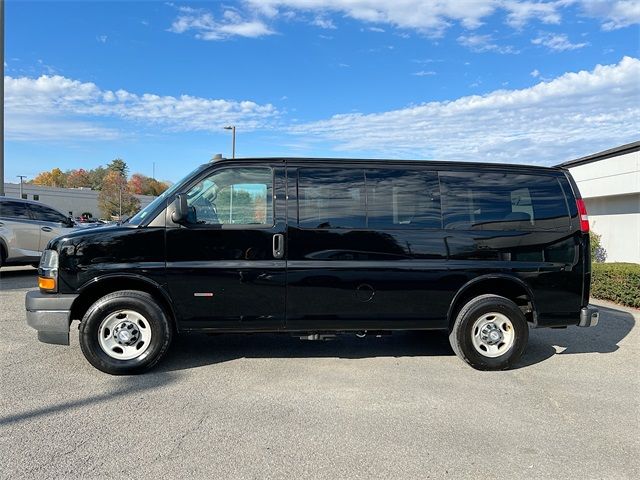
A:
(489, 80)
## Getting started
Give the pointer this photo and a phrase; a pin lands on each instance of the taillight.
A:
(584, 218)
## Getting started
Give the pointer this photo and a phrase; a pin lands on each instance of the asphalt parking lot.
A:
(239, 406)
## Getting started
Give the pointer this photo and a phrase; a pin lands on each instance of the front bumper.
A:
(50, 315)
(589, 317)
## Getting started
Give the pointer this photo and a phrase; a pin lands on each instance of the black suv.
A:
(314, 247)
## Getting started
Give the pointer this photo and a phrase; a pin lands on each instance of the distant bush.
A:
(617, 282)
(598, 253)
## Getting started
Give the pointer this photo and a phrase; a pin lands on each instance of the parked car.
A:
(25, 229)
(319, 247)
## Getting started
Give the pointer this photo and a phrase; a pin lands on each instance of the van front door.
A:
(226, 265)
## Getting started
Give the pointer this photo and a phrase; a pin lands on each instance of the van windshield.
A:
(139, 217)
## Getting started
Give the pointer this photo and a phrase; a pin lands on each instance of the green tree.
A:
(96, 177)
(115, 195)
(120, 166)
(598, 253)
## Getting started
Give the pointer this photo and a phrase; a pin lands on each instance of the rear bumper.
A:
(50, 315)
(589, 317)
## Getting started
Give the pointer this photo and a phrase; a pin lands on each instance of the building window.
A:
(24, 196)
(35, 197)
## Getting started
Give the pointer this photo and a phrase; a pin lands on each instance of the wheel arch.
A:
(101, 286)
(508, 286)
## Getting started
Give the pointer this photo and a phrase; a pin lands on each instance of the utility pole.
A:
(233, 139)
(2, 95)
(21, 177)
(120, 206)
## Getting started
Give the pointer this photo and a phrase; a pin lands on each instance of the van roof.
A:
(380, 161)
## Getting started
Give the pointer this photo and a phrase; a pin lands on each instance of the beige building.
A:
(609, 182)
(70, 201)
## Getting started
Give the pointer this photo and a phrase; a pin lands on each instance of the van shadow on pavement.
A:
(614, 325)
(195, 350)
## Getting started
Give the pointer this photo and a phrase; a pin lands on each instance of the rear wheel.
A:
(125, 332)
(490, 333)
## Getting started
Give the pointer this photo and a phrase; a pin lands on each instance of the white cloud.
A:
(547, 123)
(535, 73)
(59, 107)
(614, 14)
(102, 38)
(206, 27)
(557, 42)
(323, 22)
(428, 17)
(484, 43)
(520, 13)
(424, 73)
(432, 17)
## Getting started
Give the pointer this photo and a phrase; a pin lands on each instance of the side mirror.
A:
(180, 209)
(70, 222)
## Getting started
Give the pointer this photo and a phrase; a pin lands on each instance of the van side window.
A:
(14, 210)
(331, 198)
(403, 199)
(502, 201)
(233, 196)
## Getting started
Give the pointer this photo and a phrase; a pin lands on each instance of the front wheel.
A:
(490, 333)
(125, 332)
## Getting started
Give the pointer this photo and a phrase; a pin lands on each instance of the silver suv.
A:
(25, 229)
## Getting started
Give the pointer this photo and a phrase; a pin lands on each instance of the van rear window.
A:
(502, 201)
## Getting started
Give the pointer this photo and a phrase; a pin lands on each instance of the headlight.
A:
(48, 271)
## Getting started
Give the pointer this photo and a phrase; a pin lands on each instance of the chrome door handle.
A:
(278, 245)
(46, 229)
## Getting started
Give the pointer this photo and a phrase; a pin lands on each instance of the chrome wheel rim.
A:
(124, 335)
(492, 334)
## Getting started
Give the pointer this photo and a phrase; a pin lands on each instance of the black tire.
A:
(140, 302)
(461, 335)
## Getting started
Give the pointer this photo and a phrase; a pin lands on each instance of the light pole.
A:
(233, 139)
(2, 95)
(21, 177)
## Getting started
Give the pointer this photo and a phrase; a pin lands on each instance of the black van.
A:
(314, 247)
